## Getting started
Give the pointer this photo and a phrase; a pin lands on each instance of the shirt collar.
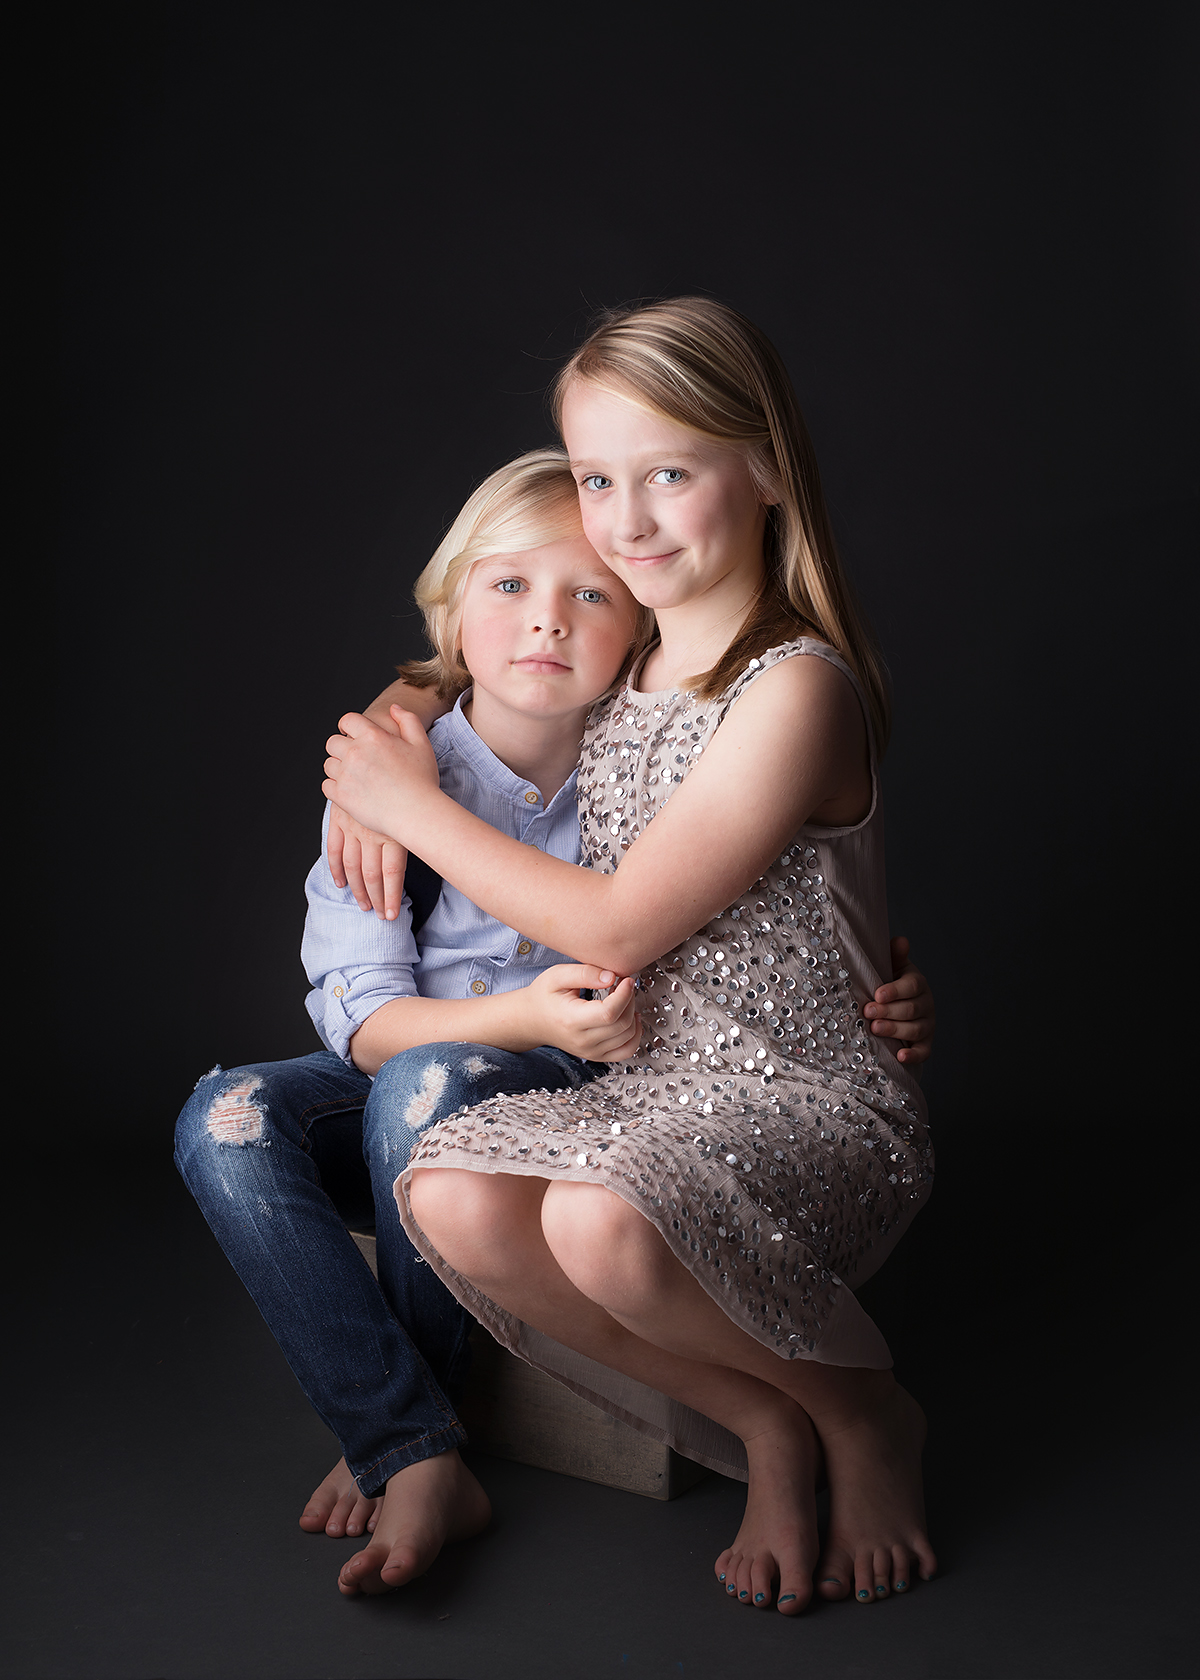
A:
(454, 731)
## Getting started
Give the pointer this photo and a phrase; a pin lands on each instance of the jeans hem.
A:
(373, 1480)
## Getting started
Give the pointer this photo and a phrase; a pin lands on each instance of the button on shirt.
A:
(355, 962)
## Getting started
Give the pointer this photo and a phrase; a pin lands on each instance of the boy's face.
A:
(545, 632)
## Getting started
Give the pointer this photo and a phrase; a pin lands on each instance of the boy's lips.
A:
(539, 663)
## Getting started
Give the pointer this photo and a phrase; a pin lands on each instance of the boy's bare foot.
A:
(424, 1506)
(772, 1558)
(338, 1508)
(876, 1542)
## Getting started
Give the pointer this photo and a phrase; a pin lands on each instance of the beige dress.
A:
(779, 1148)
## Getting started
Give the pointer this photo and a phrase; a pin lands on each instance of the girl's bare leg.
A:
(870, 1429)
(488, 1228)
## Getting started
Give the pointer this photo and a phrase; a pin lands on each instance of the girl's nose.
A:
(634, 519)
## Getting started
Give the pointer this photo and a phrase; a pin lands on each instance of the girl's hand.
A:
(904, 1009)
(370, 864)
(600, 1030)
(373, 775)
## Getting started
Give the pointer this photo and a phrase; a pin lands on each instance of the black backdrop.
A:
(319, 265)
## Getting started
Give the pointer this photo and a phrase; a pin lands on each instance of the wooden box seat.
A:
(514, 1411)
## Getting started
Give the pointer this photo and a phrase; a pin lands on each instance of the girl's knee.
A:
(474, 1219)
(607, 1249)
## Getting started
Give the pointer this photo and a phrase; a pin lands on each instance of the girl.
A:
(679, 1240)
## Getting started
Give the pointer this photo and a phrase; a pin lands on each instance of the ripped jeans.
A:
(279, 1155)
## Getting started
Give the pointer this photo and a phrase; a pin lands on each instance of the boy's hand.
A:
(904, 1008)
(600, 1030)
(370, 864)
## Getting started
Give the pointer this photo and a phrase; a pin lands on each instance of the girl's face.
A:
(673, 513)
(544, 633)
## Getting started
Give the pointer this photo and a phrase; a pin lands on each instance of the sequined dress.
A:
(778, 1147)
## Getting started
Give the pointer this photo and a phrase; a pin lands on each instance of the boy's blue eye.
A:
(596, 481)
(669, 475)
(509, 586)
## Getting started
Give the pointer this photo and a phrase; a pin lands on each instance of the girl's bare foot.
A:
(337, 1507)
(772, 1558)
(423, 1507)
(877, 1541)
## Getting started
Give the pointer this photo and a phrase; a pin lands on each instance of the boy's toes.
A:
(336, 1527)
(359, 1518)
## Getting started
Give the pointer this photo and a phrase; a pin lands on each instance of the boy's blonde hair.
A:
(702, 365)
(527, 504)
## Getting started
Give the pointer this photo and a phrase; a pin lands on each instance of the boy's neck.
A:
(540, 750)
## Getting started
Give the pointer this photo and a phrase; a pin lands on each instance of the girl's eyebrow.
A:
(651, 455)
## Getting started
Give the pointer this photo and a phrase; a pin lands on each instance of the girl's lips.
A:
(647, 559)
(540, 664)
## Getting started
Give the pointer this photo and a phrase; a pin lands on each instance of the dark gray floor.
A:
(166, 1452)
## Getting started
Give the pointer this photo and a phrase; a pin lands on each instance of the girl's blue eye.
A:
(509, 586)
(591, 595)
(596, 481)
(669, 475)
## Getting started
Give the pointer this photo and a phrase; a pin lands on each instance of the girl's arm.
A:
(371, 864)
(794, 744)
(547, 1011)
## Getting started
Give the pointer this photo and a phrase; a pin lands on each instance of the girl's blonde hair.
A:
(528, 503)
(702, 365)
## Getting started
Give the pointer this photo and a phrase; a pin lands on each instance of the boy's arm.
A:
(903, 1008)
(547, 1011)
(370, 864)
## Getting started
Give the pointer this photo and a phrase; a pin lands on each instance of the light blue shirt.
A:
(355, 962)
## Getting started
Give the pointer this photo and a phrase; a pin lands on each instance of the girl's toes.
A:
(762, 1582)
(883, 1573)
(901, 1569)
(864, 1579)
(835, 1574)
(795, 1590)
(725, 1569)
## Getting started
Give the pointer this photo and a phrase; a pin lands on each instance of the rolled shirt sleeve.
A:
(354, 961)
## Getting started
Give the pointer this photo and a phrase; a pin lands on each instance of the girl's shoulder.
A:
(798, 647)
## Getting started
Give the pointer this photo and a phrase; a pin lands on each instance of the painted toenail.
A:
(743, 1595)
(831, 1581)
(901, 1586)
(720, 1577)
(732, 1587)
(787, 1598)
(758, 1597)
(863, 1593)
